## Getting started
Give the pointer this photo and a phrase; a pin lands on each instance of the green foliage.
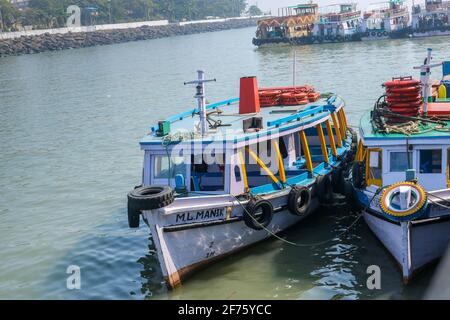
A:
(52, 13)
(254, 11)
(8, 15)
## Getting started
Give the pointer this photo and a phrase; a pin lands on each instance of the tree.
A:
(254, 11)
(8, 15)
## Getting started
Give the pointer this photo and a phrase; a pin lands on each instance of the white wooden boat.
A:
(209, 188)
(401, 169)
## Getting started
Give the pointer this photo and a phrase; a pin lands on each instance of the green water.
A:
(70, 126)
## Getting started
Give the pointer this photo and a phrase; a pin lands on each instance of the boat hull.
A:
(186, 247)
(413, 244)
(432, 33)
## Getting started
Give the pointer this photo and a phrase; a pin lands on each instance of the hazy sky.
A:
(273, 5)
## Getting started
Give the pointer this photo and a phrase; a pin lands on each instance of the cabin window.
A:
(374, 167)
(205, 176)
(430, 161)
(162, 169)
(400, 161)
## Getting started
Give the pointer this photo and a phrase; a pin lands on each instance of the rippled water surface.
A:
(70, 126)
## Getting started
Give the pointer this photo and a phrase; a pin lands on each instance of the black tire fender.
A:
(324, 189)
(299, 201)
(338, 180)
(147, 198)
(258, 214)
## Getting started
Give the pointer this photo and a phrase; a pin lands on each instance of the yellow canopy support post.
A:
(359, 152)
(323, 143)
(336, 129)
(280, 162)
(344, 117)
(331, 138)
(244, 171)
(342, 125)
(305, 147)
(262, 165)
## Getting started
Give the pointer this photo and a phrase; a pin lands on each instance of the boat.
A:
(338, 23)
(401, 169)
(305, 24)
(385, 20)
(223, 176)
(293, 24)
(431, 19)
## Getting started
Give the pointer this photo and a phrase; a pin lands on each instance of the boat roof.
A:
(277, 120)
(425, 131)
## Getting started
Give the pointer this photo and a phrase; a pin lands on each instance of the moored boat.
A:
(401, 168)
(223, 176)
(385, 20)
(293, 24)
(431, 19)
(338, 23)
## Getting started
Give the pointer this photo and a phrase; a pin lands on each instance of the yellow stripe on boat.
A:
(336, 129)
(331, 138)
(280, 162)
(323, 143)
(262, 165)
(305, 147)
(244, 171)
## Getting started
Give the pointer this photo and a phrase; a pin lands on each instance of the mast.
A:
(201, 100)
(425, 72)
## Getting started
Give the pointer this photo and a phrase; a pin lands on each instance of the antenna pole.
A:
(425, 72)
(201, 100)
(294, 69)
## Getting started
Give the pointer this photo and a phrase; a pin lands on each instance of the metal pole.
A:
(201, 102)
(294, 69)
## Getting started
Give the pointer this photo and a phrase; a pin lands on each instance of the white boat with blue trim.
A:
(223, 176)
(401, 168)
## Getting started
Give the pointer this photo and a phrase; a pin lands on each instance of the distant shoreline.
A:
(30, 44)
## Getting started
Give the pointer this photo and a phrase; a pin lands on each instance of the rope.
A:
(284, 240)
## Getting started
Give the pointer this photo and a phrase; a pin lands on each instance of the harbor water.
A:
(70, 126)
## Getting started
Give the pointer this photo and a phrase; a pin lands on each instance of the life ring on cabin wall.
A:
(403, 201)
(299, 201)
(258, 214)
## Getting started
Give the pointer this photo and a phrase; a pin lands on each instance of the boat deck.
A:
(226, 113)
(433, 131)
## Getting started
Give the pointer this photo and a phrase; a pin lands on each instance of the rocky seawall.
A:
(53, 42)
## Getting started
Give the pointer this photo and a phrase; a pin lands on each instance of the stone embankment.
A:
(52, 42)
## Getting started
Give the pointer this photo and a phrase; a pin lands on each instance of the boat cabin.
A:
(246, 148)
(386, 17)
(435, 14)
(339, 19)
(293, 21)
(420, 149)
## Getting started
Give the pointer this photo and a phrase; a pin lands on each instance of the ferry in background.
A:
(338, 23)
(303, 24)
(431, 19)
(386, 20)
(294, 24)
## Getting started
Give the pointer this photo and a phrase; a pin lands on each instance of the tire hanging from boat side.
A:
(147, 198)
(258, 214)
(299, 201)
(324, 189)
